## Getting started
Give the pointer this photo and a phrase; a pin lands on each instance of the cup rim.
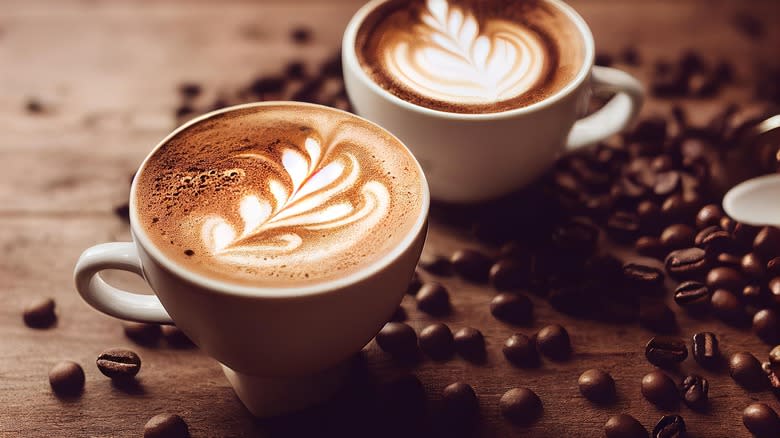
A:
(350, 61)
(226, 287)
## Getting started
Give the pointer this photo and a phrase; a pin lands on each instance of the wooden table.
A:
(107, 72)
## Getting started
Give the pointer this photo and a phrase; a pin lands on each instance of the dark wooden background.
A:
(106, 73)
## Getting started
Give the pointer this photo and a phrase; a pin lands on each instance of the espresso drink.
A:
(470, 56)
(279, 196)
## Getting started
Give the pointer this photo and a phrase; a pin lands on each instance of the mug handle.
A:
(616, 115)
(108, 299)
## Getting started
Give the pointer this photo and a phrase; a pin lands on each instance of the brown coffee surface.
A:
(470, 56)
(278, 196)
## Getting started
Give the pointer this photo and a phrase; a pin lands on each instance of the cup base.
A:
(273, 396)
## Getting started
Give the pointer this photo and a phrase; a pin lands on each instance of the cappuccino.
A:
(470, 56)
(279, 196)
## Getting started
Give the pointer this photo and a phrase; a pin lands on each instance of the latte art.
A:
(279, 195)
(449, 57)
(470, 56)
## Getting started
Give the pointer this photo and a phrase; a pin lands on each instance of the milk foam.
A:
(449, 57)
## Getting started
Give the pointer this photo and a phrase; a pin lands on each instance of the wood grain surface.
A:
(107, 73)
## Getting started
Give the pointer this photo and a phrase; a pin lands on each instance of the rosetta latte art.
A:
(307, 195)
(448, 57)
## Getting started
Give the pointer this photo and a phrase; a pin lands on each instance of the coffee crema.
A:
(470, 56)
(279, 195)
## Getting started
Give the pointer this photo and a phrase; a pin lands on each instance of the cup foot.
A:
(272, 396)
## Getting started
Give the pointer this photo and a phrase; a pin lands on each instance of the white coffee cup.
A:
(475, 157)
(281, 349)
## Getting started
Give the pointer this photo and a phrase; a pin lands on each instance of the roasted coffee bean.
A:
(709, 215)
(650, 130)
(166, 426)
(705, 349)
(662, 163)
(398, 339)
(459, 402)
(774, 290)
(677, 236)
(553, 341)
(520, 350)
(744, 233)
(301, 35)
(666, 183)
(470, 343)
(123, 211)
(703, 233)
(576, 238)
(650, 246)
(666, 351)
(39, 313)
(642, 279)
(119, 363)
(623, 226)
(295, 70)
(142, 333)
(753, 294)
(767, 242)
(190, 90)
(436, 341)
(691, 294)
(657, 317)
(774, 356)
(752, 266)
(267, 85)
(726, 306)
(433, 299)
(597, 386)
(729, 260)
(766, 325)
(676, 208)
(773, 267)
(520, 405)
(399, 315)
(694, 390)
(604, 59)
(717, 242)
(725, 278)
(66, 378)
(512, 308)
(472, 265)
(649, 214)
(509, 274)
(773, 376)
(415, 283)
(761, 420)
(175, 337)
(624, 426)
(659, 389)
(686, 263)
(746, 370)
(669, 426)
(435, 264)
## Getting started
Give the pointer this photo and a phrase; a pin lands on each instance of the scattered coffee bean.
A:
(597, 386)
(746, 370)
(773, 376)
(650, 246)
(709, 215)
(773, 267)
(642, 279)
(433, 299)
(122, 211)
(752, 266)
(623, 226)
(729, 260)
(512, 308)
(435, 264)
(604, 59)
(141, 333)
(66, 378)
(436, 341)
(703, 233)
(295, 70)
(624, 426)
(659, 389)
(726, 306)
(657, 317)
(34, 106)
(509, 274)
(415, 283)
(399, 315)
(774, 289)
(687, 263)
(470, 343)
(459, 402)
(691, 294)
(472, 265)
(669, 426)
(553, 341)
(677, 236)
(761, 420)
(520, 405)
(774, 356)
(398, 339)
(576, 238)
(520, 350)
(767, 242)
(705, 349)
(666, 351)
(301, 35)
(166, 426)
(694, 391)
(190, 90)
(717, 242)
(119, 363)
(766, 325)
(39, 313)
(175, 337)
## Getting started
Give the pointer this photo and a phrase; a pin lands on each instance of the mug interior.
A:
(141, 237)
(350, 61)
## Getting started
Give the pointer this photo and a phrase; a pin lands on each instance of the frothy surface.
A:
(279, 196)
(470, 56)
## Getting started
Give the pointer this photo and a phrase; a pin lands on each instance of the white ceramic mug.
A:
(475, 157)
(281, 349)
